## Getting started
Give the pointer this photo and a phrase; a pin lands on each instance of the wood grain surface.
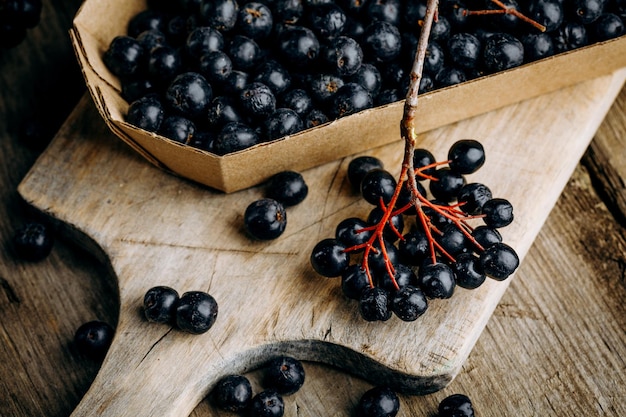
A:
(554, 346)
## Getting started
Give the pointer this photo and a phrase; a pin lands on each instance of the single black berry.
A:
(284, 374)
(265, 219)
(288, 187)
(267, 403)
(93, 339)
(456, 405)
(232, 393)
(159, 304)
(360, 166)
(329, 258)
(466, 156)
(196, 312)
(33, 241)
(380, 401)
(499, 261)
(498, 212)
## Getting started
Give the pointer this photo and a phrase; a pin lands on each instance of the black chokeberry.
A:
(380, 401)
(403, 275)
(499, 261)
(274, 75)
(265, 219)
(409, 303)
(219, 14)
(446, 184)
(159, 304)
(257, 100)
(381, 41)
(414, 247)
(468, 271)
(378, 185)
(498, 212)
(255, 20)
(282, 122)
(350, 98)
(351, 232)
(215, 66)
(486, 236)
(244, 53)
(146, 113)
(375, 304)
(436, 280)
(329, 258)
(125, 57)
(360, 166)
(502, 51)
(298, 45)
(466, 156)
(189, 95)
(354, 281)
(232, 393)
(267, 403)
(93, 339)
(288, 187)
(234, 136)
(196, 312)
(473, 196)
(284, 374)
(177, 128)
(33, 241)
(202, 41)
(342, 56)
(456, 405)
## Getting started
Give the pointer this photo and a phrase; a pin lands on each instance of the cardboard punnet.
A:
(98, 22)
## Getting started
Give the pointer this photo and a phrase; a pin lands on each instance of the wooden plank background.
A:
(556, 344)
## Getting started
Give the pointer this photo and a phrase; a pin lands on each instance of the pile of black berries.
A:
(225, 75)
(283, 376)
(16, 17)
(415, 256)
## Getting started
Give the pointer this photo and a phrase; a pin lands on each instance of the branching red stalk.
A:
(408, 174)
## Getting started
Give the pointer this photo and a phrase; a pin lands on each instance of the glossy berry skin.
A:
(287, 187)
(374, 304)
(93, 339)
(486, 236)
(267, 403)
(473, 196)
(452, 240)
(125, 57)
(298, 100)
(215, 66)
(449, 76)
(447, 185)
(548, 13)
(329, 258)
(284, 374)
(466, 156)
(146, 113)
(456, 405)
(499, 261)
(381, 42)
(283, 122)
(354, 281)
(422, 158)
(464, 50)
(189, 95)
(403, 275)
(33, 241)
(360, 166)
(202, 41)
(265, 219)
(219, 14)
(273, 75)
(164, 63)
(159, 304)
(177, 128)
(350, 98)
(379, 401)
(409, 303)
(255, 21)
(498, 212)
(468, 271)
(327, 20)
(376, 185)
(221, 111)
(233, 137)
(607, 26)
(414, 248)
(342, 56)
(244, 53)
(232, 393)
(537, 46)
(298, 45)
(502, 51)
(436, 280)
(570, 35)
(377, 262)
(196, 312)
(323, 88)
(350, 232)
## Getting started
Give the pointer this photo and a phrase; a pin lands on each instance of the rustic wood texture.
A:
(158, 230)
(554, 346)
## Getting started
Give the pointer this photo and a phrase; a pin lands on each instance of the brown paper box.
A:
(98, 22)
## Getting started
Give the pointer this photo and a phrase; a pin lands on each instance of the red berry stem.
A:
(504, 9)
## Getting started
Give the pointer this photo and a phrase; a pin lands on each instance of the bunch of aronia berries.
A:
(16, 17)
(193, 312)
(283, 376)
(452, 235)
(225, 75)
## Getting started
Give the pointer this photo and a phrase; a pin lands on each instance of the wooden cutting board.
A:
(157, 229)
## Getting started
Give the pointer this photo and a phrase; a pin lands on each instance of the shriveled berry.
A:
(380, 401)
(284, 374)
(473, 196)
(265, 219)
(257, 100)
(159, 304)
(93, 339)
(232, 393)
(33, 241)
(196, 312)
(288, 187)
(374, 304)
(329, 258)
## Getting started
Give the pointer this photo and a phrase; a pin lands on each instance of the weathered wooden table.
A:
(554, 346)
